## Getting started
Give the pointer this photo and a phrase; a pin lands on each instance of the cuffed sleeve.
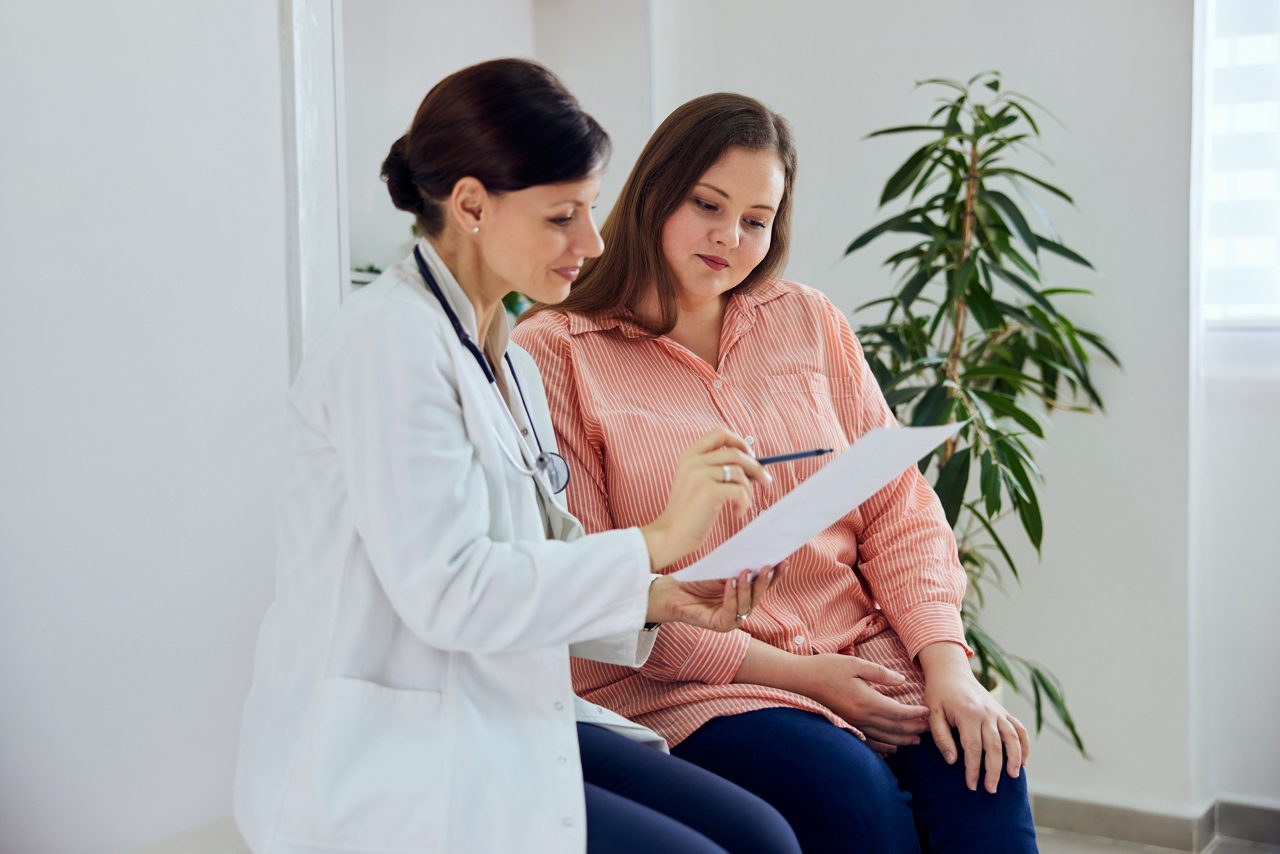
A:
(684, 653)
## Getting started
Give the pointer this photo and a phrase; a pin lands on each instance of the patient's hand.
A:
(843, 683)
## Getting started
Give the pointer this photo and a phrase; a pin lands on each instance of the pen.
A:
(794, 455)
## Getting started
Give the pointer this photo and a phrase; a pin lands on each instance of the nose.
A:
(589, 244)
(726, 234)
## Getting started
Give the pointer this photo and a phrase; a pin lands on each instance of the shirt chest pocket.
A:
(807, 409)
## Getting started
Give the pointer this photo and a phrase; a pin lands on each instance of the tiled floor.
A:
(1057, 842)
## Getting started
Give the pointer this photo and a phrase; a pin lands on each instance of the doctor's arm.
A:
(422, 506)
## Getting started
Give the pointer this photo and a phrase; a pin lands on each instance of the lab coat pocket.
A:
(370, 773)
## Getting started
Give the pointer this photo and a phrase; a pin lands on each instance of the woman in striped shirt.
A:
(846, 697)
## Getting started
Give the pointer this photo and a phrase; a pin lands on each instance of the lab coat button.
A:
(524, 431)
(567, 822)
(559, 706)
(563, 760)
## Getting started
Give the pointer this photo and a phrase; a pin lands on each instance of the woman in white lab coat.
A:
(411, 690)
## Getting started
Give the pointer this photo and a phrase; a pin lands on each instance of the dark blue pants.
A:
(642, 801)
(841, 796)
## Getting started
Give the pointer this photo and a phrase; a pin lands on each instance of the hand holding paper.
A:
(812, 507)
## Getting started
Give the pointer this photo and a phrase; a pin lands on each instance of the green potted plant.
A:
(971, 333)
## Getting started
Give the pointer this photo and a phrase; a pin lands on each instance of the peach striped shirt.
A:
(882, 583)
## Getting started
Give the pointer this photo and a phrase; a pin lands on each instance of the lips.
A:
(569, 273)
(715, 262)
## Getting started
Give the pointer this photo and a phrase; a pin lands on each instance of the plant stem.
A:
(958, 321)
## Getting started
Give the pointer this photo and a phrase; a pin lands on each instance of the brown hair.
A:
(508, 123)
(681, 150)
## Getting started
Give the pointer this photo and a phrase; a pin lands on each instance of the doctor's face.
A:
(535, 240)
(724, 226)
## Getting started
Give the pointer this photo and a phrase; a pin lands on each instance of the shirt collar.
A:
(625, 322)
(499, 330)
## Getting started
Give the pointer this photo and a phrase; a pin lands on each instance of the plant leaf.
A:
(906, 174)
(1017, 222)
(951, 485)
(1058, 249)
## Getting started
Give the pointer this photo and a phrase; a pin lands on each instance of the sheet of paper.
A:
(815, 505)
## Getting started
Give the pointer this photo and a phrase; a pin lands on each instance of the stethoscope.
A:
(550, 464)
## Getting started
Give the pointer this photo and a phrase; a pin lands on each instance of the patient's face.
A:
(535, 240)
(723, 229)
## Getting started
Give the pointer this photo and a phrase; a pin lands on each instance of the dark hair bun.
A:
(508, 123)
(395, 171)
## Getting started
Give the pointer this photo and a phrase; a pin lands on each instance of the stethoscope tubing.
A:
(544, 460)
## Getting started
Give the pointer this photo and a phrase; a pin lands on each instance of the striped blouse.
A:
(882, 583)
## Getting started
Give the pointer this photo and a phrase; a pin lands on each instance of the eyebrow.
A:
(726, 195)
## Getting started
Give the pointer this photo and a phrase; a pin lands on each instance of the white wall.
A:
(144, 351)
(602, 53)
(1239, 557)
(1108, 610)
(394, 52)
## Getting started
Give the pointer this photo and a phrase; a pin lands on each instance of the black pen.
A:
(794, 455)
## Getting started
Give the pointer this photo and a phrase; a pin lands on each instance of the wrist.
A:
(943, 658)
(660, 591)
(655, 540)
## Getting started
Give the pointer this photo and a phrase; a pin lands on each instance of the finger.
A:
(971, 745)
(889, 736)
(743, 601)
(728, 604)
(941, 730)
(881, 747)
(759, 587)
(893, 710)
(994, 753)
(915, 726)
(1012, 746)
(747, 462)
(1024, 738)
(719, 438)
(881, 675)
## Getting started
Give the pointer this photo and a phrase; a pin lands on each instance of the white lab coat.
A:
(411, 689)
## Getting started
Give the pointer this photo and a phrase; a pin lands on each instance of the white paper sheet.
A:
(815, 505)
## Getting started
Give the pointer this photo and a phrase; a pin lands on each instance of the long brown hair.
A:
(509, 123)
(681, 150)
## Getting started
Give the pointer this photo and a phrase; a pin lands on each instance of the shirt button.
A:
(559, 706)
(750, 440)
(717, 384)
(524, 431)
(798, 640)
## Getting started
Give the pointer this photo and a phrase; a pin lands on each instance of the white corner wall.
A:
(143, 339)
(1108, 610)
(394, 52)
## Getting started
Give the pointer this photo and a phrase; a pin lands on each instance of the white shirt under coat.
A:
(411, 689)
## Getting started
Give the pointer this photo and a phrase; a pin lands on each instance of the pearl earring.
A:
(475, 230)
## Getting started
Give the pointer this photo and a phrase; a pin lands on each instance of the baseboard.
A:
(1225, 819)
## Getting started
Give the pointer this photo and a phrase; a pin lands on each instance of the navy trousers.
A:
(642, 801)
(839, 795)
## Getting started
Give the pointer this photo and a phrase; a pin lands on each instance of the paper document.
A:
(815, 505)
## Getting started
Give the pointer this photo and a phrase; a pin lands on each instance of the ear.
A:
(467, 204)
